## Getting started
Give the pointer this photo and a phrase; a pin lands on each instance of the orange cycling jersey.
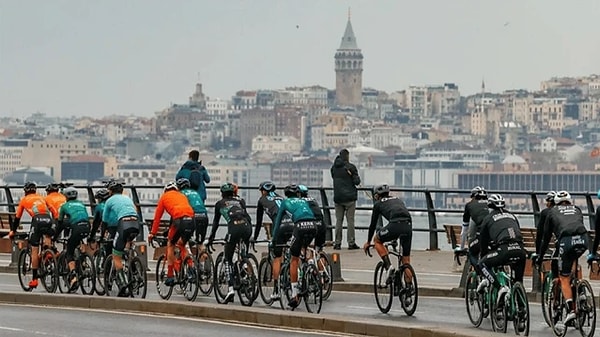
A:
(175, 203)
(34, 204)
(54, 200)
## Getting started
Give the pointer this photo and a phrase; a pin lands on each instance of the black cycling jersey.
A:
(268, 204)
(499, 227)
(477, 210)
(233, 209)
(597, 229)
(391, 208)
(539, 233)
(563, 221)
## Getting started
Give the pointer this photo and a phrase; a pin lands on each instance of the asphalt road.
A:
(431, 311)
(53, 322)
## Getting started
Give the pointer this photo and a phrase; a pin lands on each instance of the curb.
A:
(259, 316)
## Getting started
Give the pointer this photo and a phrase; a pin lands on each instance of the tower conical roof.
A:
(348, 40)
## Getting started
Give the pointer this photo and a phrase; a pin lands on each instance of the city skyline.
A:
(68, 58)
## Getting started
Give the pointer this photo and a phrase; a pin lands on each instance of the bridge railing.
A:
(426, 201)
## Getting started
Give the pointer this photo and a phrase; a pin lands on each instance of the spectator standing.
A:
(196, 173)
(345, 179)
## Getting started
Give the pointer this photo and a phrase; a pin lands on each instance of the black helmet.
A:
(268, 186)
(52, 187)
(102, 194)
(496, 201)
(381, 189)
(114, 185)
(291, 190)
(550, 196)
(183, 183)
(227, 187)
(478, 192)
(30, 186)
(70, 192)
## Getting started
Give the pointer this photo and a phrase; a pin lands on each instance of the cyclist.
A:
(305, 229)
(314, 207)
(592, 255)
(565, 220)
(54, 199)
(74, 215)
(269, 203)
(540, 231)
(41, 225)
(475, 211)
(200, 213)
(121, 213)
(101, 196)
(182, 224)
(399, 227)
(501, 242)
(239, 227)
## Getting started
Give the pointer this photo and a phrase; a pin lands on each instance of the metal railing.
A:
(323, 194)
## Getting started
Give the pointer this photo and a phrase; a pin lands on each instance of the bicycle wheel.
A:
(205, 272)
(163, 290)
(546, 284)
(586, 309)
(312, 289)
(285, 286)
(24, 269)
(47, 271)
(474, 300)
(519, 307)
(326, 270)
(556, 309)
(498, 311)
(409, 290)
(254, 276)
(221, 284)
(110, 278)
(138, 278)
(265, 280)
(246, 272)
(383, 289)
(189, 277)
(87, 274)
(99, 260)
(62, 269)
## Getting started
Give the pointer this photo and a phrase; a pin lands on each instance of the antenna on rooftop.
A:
(349, 13)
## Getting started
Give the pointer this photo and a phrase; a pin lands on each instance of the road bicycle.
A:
(137, 279)
(185, 272)
(84, 270)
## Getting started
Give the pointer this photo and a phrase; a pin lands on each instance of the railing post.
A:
(326, 215)
(591, 210)
(433, 235)
(535, 205)
(91, 198)
(9, 199)
(14, 256)
(140, 245)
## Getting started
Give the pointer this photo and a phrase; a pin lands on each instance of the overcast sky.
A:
(137, 56)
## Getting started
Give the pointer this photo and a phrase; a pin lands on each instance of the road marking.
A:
(10, 329)
(33, 332)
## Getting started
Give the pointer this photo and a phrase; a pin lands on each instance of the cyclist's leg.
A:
(516, 251)
(185, 231)
(295, 249)
(283, 235)
(172, 238)
(406, 245)
(385, 234)
(232, 238)
(320, 236)
(201, 226)
(492, 259)
(40, 225)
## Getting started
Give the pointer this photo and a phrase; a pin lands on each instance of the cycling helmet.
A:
(496, 201)
(562, 196)
(114, 185)
(227, 187)
(381, 189)
(268, 186)
(303, 190)
(171, 185)
(30, 186)
(183, 183)
(70, 192)
(102, 194)
(52, 187)
(550, 196)
(478, 192)
(291, 190)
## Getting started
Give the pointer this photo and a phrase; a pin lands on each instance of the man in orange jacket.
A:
(182, 224)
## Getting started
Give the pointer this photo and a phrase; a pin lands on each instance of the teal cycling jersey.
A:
(195, 200)
(73, 212)
(296, 209)
(99, 210)
(117, 207)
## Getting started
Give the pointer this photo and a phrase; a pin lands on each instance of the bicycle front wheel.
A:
(265, 280)
(205, 272)
(138, 278)
(99, 259)
(519, 307)
(189, 277)
(586, 309)
(62, 269)
(246, 273)
(285, 285)
(546, 284)
(409, 290)
(383, 288)
(326, 271)
(24, 269)
(164, 291)
(313, 291)
(474, 300)
(87, 274)
(556, 309)
(110, 278)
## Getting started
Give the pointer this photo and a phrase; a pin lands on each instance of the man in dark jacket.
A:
(345, 179)
(196, 173)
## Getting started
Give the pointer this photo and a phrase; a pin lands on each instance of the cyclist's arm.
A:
(96, 223)
(374, 220)
(547, 236)
(248, 218)
(18, 215)
(466, 216)
(539, 235)
(484, 236)
(597, 229)
(259, 219)
(216, 220)
(158, 213)
(277, 223)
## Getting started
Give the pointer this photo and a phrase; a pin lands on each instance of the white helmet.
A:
(171, 185)
(562, 196)
(496, 201)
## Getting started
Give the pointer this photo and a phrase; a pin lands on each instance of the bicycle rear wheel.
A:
(254, 277)
(163, 290)
(99, 260)
(87, 274)
(246, 273)
(383, 288)
(326, 271)
(265, 280)
(546, 284)
(189, 277)
(62, 269)
(556, 309)
(498, 311)
(285, 286)
(110, 278)
(138, 278)
(47, 271)
(24, 269)
(520, 309)
(474, 300)
(409, 289)
(313, 290)
(205, 272)
(586, 309)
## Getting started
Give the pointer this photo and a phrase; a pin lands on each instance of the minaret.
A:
(348, 70)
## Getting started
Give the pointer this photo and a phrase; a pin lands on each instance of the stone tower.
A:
(348, 70)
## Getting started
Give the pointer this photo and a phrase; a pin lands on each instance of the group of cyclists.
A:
(495, 240)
